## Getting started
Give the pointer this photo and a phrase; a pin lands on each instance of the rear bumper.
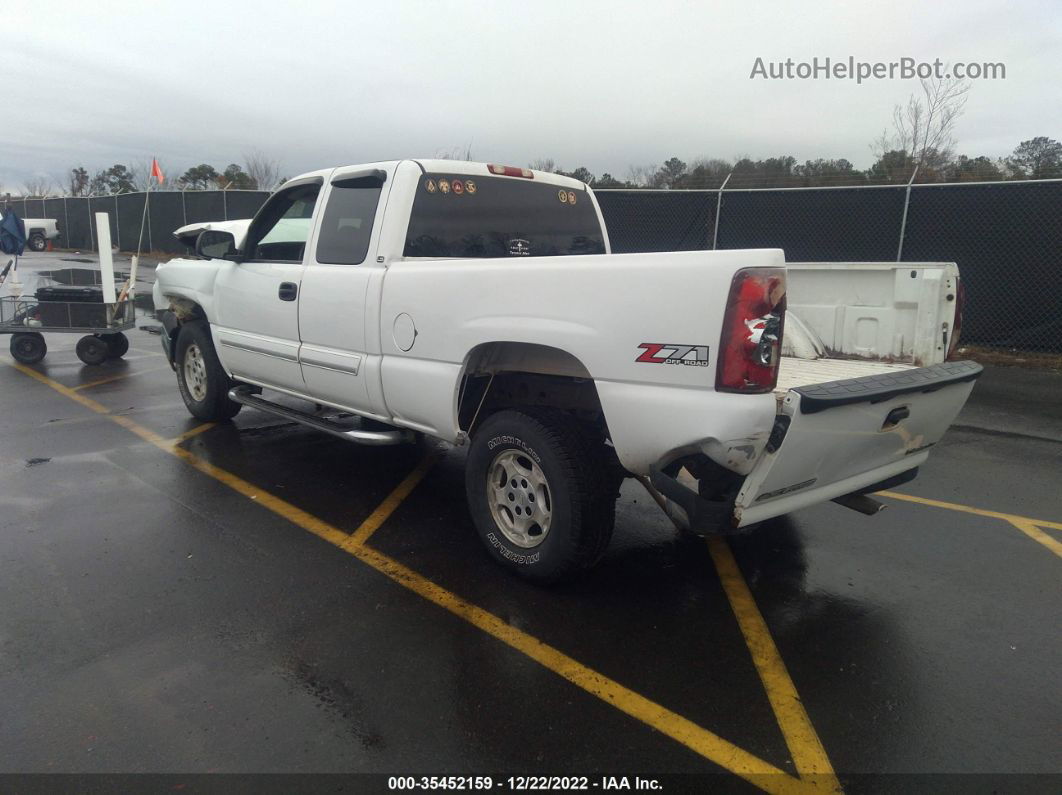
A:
(710, 517)
(703, 517)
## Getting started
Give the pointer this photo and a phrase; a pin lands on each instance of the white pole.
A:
(143, 218)
(103, 235)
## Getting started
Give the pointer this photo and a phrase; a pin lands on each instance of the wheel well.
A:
(182, 310)
(501, 375)
(185, 310)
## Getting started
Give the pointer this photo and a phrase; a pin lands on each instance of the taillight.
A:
(956, 326)
(511, 171)
(751, 346)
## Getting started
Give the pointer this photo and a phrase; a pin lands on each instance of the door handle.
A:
(288, 291)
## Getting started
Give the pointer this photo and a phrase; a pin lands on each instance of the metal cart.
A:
(28, 319)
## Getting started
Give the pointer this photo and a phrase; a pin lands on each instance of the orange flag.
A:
(156, 172)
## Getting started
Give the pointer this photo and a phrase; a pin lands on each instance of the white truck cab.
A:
(479, 304)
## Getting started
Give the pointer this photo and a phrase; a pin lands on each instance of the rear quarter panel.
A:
(598, 308)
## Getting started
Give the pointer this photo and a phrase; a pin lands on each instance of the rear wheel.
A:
(91, 350)
(203, 382)
(117, 344)
(538, 494)
(37, 242)
(28, 347)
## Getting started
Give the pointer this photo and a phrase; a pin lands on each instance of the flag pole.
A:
(143, 218)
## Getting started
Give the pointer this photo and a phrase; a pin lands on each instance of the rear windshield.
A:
(457, 215)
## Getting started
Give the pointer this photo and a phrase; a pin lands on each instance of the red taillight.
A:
(956, 326)
(751, 345)
(511, 171)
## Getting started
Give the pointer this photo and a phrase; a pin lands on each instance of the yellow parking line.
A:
(115, 377)
(1039, 536)
(198, 429)
(98, 382)
(954, 506)
(391, 502)
(703, 742)
(809, 755)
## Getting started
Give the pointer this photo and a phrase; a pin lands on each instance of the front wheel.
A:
(538, 495)
(202, 381)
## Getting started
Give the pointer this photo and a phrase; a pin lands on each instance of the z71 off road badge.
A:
(673, 353)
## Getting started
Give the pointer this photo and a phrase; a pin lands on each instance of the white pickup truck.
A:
(479, 304)
(39, 231)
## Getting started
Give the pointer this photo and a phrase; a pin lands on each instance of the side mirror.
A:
(215, 244)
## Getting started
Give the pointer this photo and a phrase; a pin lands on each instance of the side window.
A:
(282, 227)
(347, 223)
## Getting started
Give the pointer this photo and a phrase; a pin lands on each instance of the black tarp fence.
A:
(1005, 236)
(167, 211)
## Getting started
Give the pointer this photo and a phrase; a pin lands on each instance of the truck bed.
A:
(795, 372)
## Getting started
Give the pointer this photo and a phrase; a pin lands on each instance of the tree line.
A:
(258, 172)
(919, 146)
(1036, 158)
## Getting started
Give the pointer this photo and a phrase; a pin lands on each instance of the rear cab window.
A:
(469, 216)
(346, 225)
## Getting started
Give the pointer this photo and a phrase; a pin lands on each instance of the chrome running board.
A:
(246, 395)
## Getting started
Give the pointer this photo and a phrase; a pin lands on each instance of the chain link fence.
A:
(1005, 236)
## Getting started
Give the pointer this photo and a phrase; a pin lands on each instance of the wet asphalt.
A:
(153, 619)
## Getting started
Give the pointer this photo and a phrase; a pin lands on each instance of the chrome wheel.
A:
(519, 498)
(195, 372)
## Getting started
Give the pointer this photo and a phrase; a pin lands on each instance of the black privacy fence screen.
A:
(1006, 237)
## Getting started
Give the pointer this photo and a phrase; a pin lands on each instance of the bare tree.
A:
(924, 128)
(543, 164)
(455, 153)
(38, 186)
(643, 176)
(263, 170)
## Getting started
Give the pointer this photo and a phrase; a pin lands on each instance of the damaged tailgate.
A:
(840, 437)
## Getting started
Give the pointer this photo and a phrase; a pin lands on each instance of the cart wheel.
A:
(92, 350)
(117, 344)
(28, 347)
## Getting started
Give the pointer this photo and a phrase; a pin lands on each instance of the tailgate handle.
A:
(895, 416)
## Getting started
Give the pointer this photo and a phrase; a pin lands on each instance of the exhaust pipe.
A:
(860, 502)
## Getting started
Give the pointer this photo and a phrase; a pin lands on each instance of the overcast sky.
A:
(601, 84)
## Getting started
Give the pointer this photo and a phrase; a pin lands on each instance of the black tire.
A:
(117, 344)
(28, 347)
(581, 498)
(91, 350)
(37, 242)
(204, 386)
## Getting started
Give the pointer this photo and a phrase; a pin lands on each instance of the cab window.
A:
(282, 227)
(347, 222)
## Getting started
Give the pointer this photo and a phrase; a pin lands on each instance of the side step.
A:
(246, 396)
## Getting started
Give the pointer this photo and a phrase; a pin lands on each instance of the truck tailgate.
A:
(840, 437)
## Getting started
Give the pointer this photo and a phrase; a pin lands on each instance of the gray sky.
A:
(600, 84)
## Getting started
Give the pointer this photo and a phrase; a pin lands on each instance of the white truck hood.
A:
(188, 234)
